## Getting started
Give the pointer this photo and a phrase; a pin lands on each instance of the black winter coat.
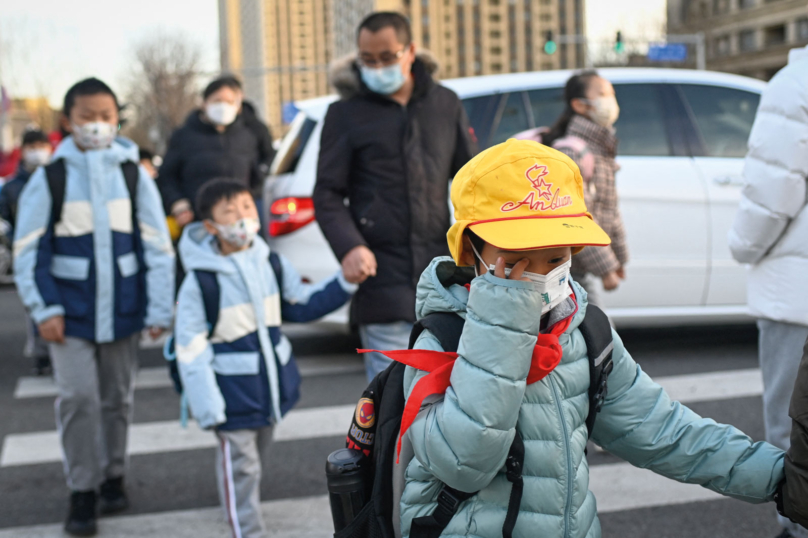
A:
(795, 492)
(393, 163)
(197, 153)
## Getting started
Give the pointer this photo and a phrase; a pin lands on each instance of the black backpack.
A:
(379, 440)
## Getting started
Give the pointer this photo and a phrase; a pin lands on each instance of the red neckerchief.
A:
(439, 364)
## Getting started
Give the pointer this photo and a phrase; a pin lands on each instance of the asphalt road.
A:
(171, 482)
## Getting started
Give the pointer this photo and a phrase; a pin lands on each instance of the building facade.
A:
(282, 48)
(747, 37)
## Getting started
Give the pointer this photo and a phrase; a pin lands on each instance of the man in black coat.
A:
(794, 501)
(223, 139)
(390, 147)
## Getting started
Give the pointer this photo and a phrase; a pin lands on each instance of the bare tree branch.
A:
(162, 87)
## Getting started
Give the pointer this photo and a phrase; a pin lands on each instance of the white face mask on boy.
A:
(240, 233)
(554, 287)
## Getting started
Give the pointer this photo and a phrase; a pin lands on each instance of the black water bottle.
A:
(346, 473)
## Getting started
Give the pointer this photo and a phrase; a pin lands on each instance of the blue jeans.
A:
(384, 337)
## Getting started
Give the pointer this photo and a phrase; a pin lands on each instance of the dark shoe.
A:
(785, 534)
(81, 519)
(113, 497)
(42, 366)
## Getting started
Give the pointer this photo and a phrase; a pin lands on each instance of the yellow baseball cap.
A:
(521, 195)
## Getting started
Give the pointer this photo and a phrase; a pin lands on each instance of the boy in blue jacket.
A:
(93, 264)
(522, 368)
(236, 366)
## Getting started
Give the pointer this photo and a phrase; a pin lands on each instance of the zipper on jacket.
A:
(565, 432)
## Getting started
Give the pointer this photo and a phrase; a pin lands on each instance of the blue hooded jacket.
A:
(90, 267)
(242, 374)
(462, 439)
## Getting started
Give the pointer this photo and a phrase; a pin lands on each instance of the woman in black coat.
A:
(222, 139)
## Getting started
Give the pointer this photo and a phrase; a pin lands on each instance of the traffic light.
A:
(619, 46)
(550, 45)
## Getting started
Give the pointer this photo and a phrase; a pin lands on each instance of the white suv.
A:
(682, 138)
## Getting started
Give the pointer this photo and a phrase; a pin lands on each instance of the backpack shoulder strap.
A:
(131, 174)
(277, 268)
(209, 285)
(597, 333)
(56, 174)
(445, 326)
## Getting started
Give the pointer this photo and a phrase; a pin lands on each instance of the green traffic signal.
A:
(619, 46)
(549, 43)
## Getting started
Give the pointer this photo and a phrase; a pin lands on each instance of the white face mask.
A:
(221, 113)
(95, 135)
(32, 158)
(239, 234)
(605, 110)
(554, 287)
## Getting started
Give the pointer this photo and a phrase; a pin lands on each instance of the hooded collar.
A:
(121, 150)
(345, 77)
(601, 139)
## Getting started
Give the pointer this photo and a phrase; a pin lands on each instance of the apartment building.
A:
(747, 37)
(281, 48)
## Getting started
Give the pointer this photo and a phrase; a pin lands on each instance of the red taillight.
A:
(289, 214)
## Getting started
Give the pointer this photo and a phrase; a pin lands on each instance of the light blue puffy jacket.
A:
(463, 438)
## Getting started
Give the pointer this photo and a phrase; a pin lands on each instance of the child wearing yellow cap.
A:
(522, 371)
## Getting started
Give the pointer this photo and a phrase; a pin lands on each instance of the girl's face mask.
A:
(554, 287)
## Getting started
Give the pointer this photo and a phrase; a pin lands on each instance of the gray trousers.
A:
(590, 284)
(384, 337)
(238, 476)
(780, 350)
(95, 385)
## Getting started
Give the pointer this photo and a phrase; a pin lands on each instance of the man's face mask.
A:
(94, 135)
(554, 286)
(222, 113)
(383, 80)
(239, 234)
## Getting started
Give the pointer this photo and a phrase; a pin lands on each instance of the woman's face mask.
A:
(554, 286)
(605, 110)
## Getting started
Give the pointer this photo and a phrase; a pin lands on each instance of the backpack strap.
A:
(56, 174)
(277, 268)
(449, 499)
(131, 175)
(445, 326)
(597, 333)
(209, 285)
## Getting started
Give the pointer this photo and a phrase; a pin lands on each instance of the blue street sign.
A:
(669, 52)
(288, 112)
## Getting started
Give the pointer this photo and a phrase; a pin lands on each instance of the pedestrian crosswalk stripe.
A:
(157, 376)
(617, 487)
(168, 436)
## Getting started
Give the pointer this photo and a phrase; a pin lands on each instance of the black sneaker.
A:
(42, 366)
(81, 519)
(113, 497)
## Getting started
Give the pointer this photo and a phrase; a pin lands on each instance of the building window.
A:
(746, 4)
(496, 51)
(720, 7)
(802, 29)
(546, 17)
(495, 34)
(514, 66)
(747, 41)
(721, 46)
(494, 17)
(774, 35)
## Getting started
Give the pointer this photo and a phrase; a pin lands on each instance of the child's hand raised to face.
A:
(516, 271)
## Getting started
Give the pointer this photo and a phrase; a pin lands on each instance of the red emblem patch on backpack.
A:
(363, 426)
(365, 413)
